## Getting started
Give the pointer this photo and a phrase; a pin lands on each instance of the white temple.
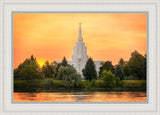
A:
(80, 57)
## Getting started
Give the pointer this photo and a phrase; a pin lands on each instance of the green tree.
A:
(118, 82)
(89, 71)
(121, 62)
(29, 70)
(64, 62)
(77, 80)
(16, 74)
(31, 67)
(69, 75)
(57, 68)
(108, 78)
(48, 70)
(106, 66)
(126, 70)
(137, 65)
(119, 72)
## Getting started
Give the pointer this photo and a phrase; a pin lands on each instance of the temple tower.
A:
(79, 57)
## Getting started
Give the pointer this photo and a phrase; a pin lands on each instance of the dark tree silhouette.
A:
(106, 66)
(48, 70)
(121, 62)
(119, 72)
(89, 71)
(64, 62)
(137, 65)
(29, 70)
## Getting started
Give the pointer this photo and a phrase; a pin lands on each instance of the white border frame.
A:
(151, 6)
(12, 39)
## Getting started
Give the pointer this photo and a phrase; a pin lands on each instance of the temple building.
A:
(80, 57)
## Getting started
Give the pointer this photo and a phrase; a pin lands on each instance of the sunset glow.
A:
(41, 61)
(51, 36)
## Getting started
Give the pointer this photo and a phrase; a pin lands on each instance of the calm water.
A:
(80, 97)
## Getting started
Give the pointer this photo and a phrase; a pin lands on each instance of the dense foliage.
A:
(136, 66)
(121, 62)
(63, 63)
(48, 70)
(29, 70)
(31, 76)
(111, 80)
(108, 78)
(119, 72)
(106, 66)
(89, 71)
(69, 76)
(48, 84)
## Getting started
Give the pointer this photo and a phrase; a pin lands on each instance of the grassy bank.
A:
(133, 85)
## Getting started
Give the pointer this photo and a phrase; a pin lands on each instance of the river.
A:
(80, 97)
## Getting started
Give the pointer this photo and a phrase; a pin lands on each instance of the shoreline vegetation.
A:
(96, 85)
(125, 76)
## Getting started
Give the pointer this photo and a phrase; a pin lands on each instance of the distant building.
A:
(80, 57)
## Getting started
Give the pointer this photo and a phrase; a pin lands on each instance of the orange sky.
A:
(51, 36)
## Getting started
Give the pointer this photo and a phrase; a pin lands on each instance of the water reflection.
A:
(80, 97)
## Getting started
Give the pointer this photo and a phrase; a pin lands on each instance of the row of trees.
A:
(30, 70)
(62, 71)
(134, 68)
(90, 73)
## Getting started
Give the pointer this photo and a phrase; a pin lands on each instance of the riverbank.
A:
(96, 85)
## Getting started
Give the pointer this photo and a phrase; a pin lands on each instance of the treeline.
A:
(112, 76)
(109, 79)
(134, 69)
(30, 71)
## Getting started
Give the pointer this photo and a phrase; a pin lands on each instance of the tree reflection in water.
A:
(80, 97)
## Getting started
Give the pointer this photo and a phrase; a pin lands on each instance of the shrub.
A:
(100, 84)
(68, 74)
(108, 78)
(93, 83)
(86, 84)
(67, 81)
(77, 81)
(118, 82)
(48, 84)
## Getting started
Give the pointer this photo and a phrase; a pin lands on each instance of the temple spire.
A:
(80, 25)
(80, 33)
